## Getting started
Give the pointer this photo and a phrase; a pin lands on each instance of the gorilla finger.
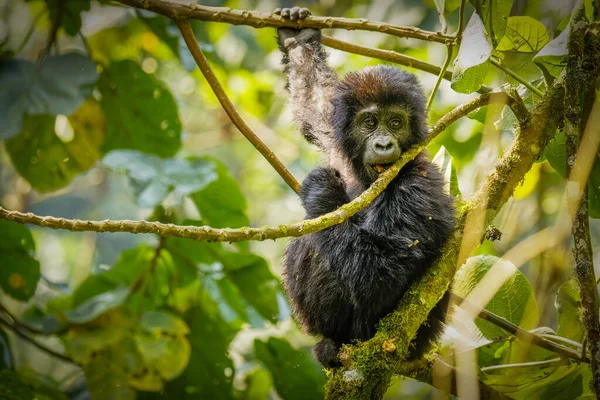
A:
(294, 13)
(277, 11)
(304, 12)
(285, 13)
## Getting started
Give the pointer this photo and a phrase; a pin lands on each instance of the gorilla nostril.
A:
(383, 144)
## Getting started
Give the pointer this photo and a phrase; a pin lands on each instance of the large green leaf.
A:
(514, 301)
(141, 113)
(472, 63)
(97, 305)
(524, 35)
(50, 151)
(555, 153)
(295, 376)
(58, 85)
(494, 14)
(154, 178)
(107, 376)
(20, 271)
(222, 203)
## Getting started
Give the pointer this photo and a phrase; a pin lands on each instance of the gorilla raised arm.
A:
(341, 281)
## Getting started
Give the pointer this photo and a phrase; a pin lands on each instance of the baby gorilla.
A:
(342, 280)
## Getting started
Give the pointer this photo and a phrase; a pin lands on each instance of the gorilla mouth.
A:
(379, 168)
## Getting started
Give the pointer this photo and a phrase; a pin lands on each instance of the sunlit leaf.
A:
(529, 182)
(523, 34)
(107, 376)
(58, 85)
(494, 14)
(50, 151)
(295, 376)
(154, 178)
(471, 65)
(20, 271)
(141, 113)
(567, 304)
(514, 301)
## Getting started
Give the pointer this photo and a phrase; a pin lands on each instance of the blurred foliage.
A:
(104, 114)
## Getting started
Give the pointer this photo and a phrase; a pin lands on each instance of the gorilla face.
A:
(382, 131)
(378, 113)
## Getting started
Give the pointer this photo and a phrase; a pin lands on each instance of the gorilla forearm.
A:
(310, 82)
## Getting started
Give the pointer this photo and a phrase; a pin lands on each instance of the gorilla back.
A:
(342, 280)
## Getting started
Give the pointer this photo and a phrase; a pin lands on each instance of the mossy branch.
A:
(207, 233)
(258, 19)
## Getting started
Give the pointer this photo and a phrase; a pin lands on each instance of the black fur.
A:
(341, 281)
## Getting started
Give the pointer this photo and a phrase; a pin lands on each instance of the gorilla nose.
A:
(383, 145)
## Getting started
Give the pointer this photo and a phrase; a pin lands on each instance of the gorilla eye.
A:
(370, 122)
(395, 123)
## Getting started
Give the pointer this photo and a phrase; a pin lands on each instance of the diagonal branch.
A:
(258, 19)
(208, 233)
(238, 121)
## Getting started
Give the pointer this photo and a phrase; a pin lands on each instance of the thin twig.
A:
(258, 19)
(207, 233)
(554, 362)
(461, 22)
(34, 342)
(16, 322)
(236, 118)
(530, 337)
(441, 75)
(516, 77)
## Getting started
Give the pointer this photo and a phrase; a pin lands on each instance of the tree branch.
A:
(578, 164)
(207, 233)
(258, 19)
(542, 341)
(238, 121)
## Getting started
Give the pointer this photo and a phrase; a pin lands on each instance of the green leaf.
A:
(107, 377)
(69, 12)
(222, 203)
(20, 270)
(567, 304)
(50, 151)
(141, 113)
(444, 162)
(12, 387)
(98, 305)
(514, 301)
(58, 85)
(555, 153)
(552, 59)
(523, 34)
(154, 178)
(210, 372)
(494, 14)
(472, 63)
(295, 375)
(162, 343)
